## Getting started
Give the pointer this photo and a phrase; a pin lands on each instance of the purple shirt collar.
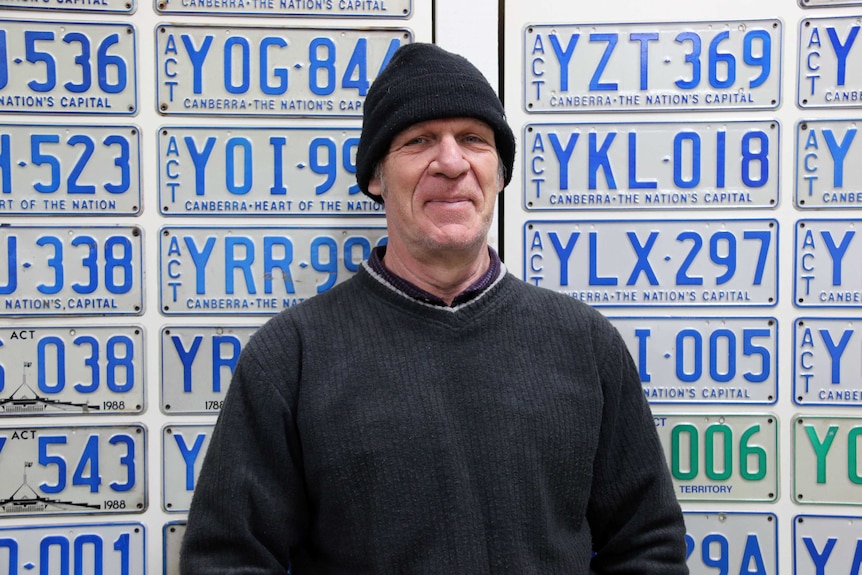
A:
(476, 288)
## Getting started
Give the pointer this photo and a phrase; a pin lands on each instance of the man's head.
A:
(424, 82)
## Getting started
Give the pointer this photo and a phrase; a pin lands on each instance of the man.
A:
(434, 414)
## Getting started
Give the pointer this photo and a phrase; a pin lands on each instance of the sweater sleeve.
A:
(249, 506)
(636, 521)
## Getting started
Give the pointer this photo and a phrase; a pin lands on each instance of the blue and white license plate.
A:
(292, 8)
(197, 365)
(824, 176)
(826, 367)
(70, 170)
(709, 65)
(257, 171)
(67, 68)
(172, 541)
(59, 6)
(718, 360)
(826, 264)
(256, 270)
(71, 370)
(92, 469)
(655, 263)
(826, 452)
(826, 544)
(731, 542)
(651, 165)
(183, 450)
(262, 71)
(96, 548)
(827, 3)
(829, 73)
(723, 458)
(71, 270)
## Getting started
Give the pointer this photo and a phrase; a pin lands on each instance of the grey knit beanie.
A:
(424, 82)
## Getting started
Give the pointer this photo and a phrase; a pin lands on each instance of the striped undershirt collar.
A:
(375, 262)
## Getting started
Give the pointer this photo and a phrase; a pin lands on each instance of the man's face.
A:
(439, 181)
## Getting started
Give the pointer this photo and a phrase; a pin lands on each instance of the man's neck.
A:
(444, 275)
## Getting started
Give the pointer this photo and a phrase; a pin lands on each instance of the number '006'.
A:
(717, 439)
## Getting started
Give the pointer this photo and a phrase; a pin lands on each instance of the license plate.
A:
(60, 6)
(655, 263)
(710, 65)
(53, 470)
(822, 3)
(256, 270)
(183, 450)
(67, 68)
(252, 171)
(829, 66)
(71, 270)
(197, 365)
(71, 370)
(292, 8)
(721, 457)
(826, 367)
(720, 360)
(827, 282)
(259, 71)
(651, 165)
(826, 544)
(825, 460)
(824, 178)
(731, 542)
(70, 170)
(172, 541)
(86, 548)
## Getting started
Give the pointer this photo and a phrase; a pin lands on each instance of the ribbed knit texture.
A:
(367, 433)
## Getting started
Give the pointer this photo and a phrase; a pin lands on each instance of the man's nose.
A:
(449, 158)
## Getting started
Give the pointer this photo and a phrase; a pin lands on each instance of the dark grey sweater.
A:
(365, 432)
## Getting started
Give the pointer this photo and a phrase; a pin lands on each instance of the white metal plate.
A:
(827, 3)
(71, 370)
(826, 544)
(577, 166)
(197, 364)
(262, 71)
(183, 451)
(256, 270)
(291, 8)
(655, 263)
(93, 469)
(172, 540)
(70, 170)
(71, 270)
(722, 458)
(826, 366)
(731, 542)
(96, 548)
(68, 68)
(71, 6)
(829, 73)
(826, 460)
(260, 171)
(826, 264)
(704, 360)
(717, 65)
(824, 176)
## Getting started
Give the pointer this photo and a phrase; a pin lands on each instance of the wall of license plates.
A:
(688, 168)
(172, 173)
